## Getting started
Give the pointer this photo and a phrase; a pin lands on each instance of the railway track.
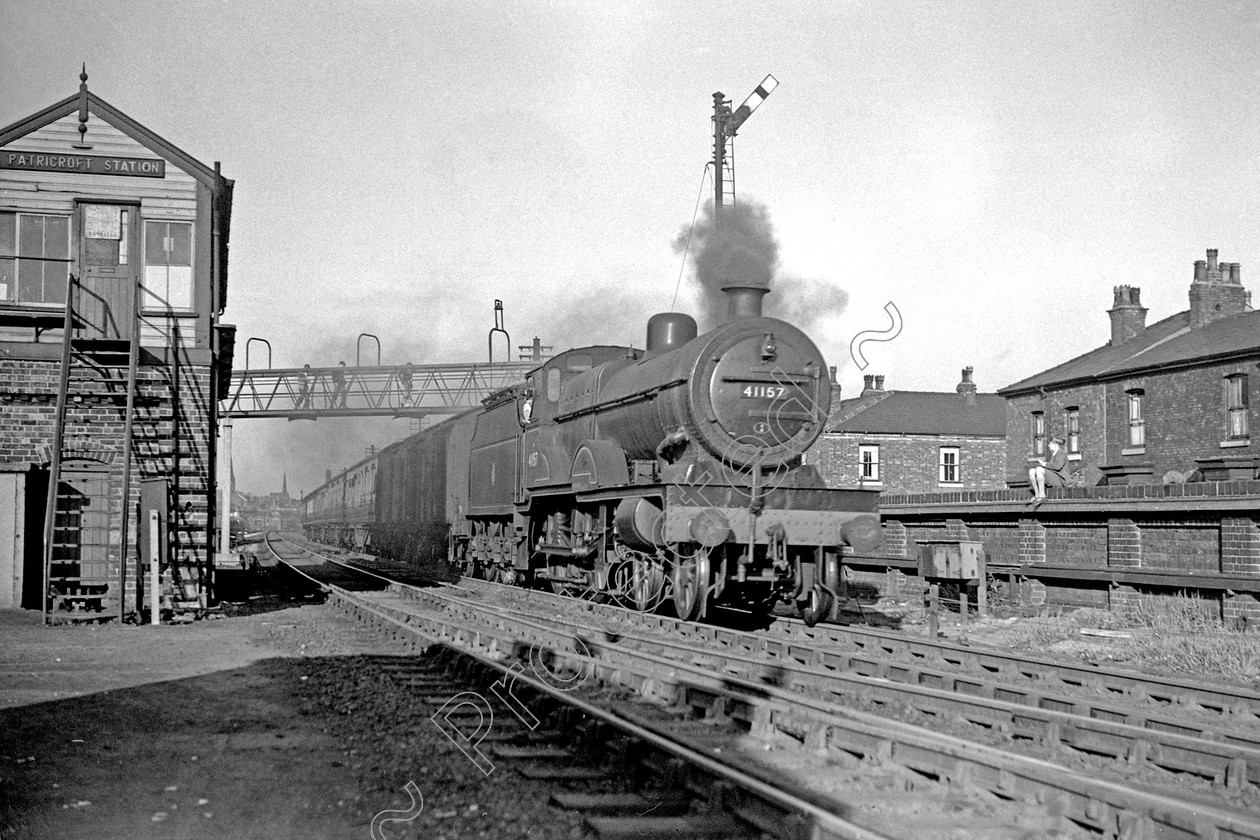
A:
(753, 682)
(686, 791)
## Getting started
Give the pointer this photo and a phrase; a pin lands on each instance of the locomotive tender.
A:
(671, 473)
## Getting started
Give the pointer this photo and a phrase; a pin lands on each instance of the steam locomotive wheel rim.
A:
(691, 586)
(646, 580)
(817, 605)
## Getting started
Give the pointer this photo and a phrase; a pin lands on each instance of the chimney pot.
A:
(1128, 316)
(1216, 292)
(966, 388)
(868, 382)
(879, 383)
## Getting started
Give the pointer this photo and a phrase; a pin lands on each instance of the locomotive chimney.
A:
(744, 301)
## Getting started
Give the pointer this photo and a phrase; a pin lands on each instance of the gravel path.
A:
(272, 725)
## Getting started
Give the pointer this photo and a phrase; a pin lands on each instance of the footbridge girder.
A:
(309, 393)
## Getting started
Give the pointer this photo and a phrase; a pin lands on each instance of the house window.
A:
(1137, 426)
(950, 466)
(868, 462)
(1237, 405)
(34, 258)
(168, 265)
(1038, 433)
(1072, 425)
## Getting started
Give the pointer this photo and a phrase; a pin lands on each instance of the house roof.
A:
(1167, 343)
(920, 413)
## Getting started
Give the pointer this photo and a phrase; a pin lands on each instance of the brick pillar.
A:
(1240, 546)
(894, 538)
(1032, 541)
(1242, 611)
(1124, 544)
(1122, 599)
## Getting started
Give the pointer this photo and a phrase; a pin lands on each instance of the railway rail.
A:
(764, 807)
(770, 687)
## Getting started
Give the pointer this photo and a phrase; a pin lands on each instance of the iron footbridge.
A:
(308, 393)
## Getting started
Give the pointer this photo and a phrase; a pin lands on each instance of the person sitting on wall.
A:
(1051, 472)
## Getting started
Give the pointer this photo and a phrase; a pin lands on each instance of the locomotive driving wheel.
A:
(691, 584)
(647, 579)
(816, 605)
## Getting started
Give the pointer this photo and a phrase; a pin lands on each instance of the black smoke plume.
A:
(740, 251)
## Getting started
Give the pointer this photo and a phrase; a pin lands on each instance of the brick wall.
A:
(1092, 412)
(910, 463)
(172, 440)
(1208, 528)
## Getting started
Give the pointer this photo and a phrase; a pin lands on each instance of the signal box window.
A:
(168, 265)
(951, 465)
(1237, 402)
(34, 258)
(868, 462)
(1137, 425)
(1072, 425)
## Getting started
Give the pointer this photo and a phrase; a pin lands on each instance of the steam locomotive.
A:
(672, 474)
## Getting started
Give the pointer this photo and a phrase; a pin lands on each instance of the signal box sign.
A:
(83, 164)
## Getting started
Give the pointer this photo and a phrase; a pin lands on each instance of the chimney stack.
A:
(1128, 315)
(966, 388)
(868, 384)
(1216, 292)
(879, 383)
(744, 301)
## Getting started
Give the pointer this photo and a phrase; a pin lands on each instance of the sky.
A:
(991, 169)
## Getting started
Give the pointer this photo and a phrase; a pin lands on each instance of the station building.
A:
(113, 278)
